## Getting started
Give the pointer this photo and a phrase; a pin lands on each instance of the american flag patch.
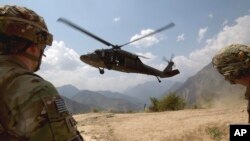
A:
(61, 107)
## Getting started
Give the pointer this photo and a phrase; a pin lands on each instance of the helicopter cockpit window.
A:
(100, 52)
(88, 53)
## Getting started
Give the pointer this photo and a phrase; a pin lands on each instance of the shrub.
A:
(215, 133)
(95, 110)
(170, 102)
(154, 104)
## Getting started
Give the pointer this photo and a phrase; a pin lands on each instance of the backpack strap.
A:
(13, 73)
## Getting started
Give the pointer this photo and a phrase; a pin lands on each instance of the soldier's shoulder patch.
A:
(59, 118)
(55, 106)
(60, 105)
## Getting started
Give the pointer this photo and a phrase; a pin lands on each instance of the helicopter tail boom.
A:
(168, 71)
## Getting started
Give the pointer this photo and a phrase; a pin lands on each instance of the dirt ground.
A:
(184, 125)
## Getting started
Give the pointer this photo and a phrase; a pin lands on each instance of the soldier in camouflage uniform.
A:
(233, 62)
(30, 107)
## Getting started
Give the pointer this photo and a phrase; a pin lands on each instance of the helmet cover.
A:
(24, 23)
(233, 61)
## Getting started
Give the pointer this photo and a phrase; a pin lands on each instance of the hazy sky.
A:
(202, 28)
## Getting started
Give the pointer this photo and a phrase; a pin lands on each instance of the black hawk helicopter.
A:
(120, 60)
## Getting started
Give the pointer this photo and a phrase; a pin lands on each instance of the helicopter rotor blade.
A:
(150, 34)
(67, 22)
(172, 56)
(165, 59)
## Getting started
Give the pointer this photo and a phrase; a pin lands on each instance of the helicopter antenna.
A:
(143, 56)
(67, 22)
(150, 34)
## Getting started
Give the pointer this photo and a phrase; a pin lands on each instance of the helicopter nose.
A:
(84, 58)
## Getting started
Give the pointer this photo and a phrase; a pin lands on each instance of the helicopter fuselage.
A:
(121, 60)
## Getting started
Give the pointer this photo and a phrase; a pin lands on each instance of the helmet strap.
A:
(34, 58)
(39, 61)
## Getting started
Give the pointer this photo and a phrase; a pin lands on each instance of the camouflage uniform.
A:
(233, 62)
(30, 107)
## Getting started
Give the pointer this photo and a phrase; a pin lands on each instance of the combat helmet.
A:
(23, 23)
(233, 62)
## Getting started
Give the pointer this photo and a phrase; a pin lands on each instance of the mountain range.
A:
(205, 85)
(67, 91)
(112, 102)
(149, 89)
(81, 101)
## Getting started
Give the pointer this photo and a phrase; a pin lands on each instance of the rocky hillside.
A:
(208, 84)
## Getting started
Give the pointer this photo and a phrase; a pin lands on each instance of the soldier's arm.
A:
(38, 113)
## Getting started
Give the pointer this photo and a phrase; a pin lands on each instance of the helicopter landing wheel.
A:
(101, 71)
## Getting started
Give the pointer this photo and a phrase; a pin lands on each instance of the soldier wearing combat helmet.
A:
(30, 107)
(233, 62)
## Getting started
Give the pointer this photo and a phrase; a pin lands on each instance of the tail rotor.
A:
(170, 61)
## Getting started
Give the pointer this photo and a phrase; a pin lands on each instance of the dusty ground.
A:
(184, 125)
